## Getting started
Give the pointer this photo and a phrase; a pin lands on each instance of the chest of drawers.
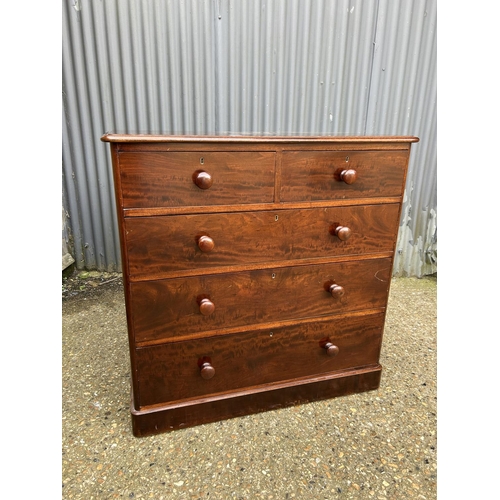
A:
(256, 269)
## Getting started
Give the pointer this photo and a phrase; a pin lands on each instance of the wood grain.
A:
(171, 372)
(169, 417)
(165, 309)
(164, 245)
(166, 179)
(314, 176)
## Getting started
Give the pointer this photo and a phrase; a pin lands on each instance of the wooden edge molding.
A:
(135, 138)
(179, 415)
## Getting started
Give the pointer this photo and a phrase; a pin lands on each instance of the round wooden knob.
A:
(343, 233)
(331, 350)
(348, 176)
(202, 179)
(207, 371)
(205, 243)
(336, 290)
(207, 307)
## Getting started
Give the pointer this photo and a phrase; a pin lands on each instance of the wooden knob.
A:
(348, 176)
(342, 232)
(334, 289)
(207, 307)
(202, 179)
(207, 371)
(331, 350)
(205, 243)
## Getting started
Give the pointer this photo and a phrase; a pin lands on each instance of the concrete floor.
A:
(379, 445)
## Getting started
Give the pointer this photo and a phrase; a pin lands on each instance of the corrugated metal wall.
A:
(276, 66)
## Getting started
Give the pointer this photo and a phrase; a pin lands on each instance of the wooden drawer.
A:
(171, 372)
(317, 175)
(169, 309)
(165, 179)
(157, 246)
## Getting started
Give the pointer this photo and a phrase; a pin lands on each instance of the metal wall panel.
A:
(248, 66)
(294, 66)
(403, 101)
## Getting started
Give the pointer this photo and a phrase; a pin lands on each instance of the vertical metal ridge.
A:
(372, 62)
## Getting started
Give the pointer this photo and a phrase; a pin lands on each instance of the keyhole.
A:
(346, 159)
(273, 276)
(202, 161)
(276, 218)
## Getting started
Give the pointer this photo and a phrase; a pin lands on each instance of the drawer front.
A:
(164, 179)
(334, 175)
(166, 309)
(173, 372)
(170, 244)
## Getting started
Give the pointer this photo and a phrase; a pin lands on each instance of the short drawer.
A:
(163, 245)
(170, 179)
(334, 175)
(191, 369)
(183, 307)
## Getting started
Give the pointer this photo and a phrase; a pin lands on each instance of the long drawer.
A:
(170, 244)
(168, 179)
(181, 307)
(334, 175)
(181, 370)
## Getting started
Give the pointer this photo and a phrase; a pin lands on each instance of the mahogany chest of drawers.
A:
(256, 269)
